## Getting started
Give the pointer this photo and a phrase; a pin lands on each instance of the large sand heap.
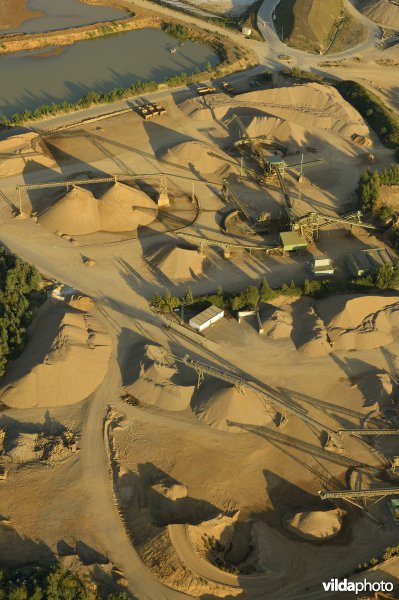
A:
(380, 390)
(201, 157)
(310, 106)
(63, 363)
(161, 386)
(22, 152)
(222, 406)
(384, 12)
(360, 322)
(75, 214)
(314, 525)
(276, 322)
(310, 335)
(123, 208)
(178, 264)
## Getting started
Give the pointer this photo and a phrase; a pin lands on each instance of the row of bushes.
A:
(47, 583)
(387, 277)
(93, 98)
(18, 283)
(382, 119)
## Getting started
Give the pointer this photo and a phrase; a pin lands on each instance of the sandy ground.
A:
(171, 456)
(16, 12)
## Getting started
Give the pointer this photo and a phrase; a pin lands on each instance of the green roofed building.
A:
(291, 240)
(369, 261)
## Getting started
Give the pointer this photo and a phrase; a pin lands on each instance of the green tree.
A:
(384, 276)
(188, 296)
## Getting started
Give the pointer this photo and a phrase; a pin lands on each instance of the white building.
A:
(321, 265)
(207, 317)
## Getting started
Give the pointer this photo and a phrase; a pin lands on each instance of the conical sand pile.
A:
(314, 525)
(179, 264)
(63, 363)
(202, 157)
(162, 386)
(123, 208)
(75, 214)
(384, 12)
(224, 407)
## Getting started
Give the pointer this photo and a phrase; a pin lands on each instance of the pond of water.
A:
(30, 79)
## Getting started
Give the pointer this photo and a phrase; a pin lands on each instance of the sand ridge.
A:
(63, 363)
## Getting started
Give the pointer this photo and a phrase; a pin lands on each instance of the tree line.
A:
(386, 278)
(48, 583)
(18, 282)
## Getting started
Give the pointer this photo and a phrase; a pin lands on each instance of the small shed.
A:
(247, 31)
(291, 240)
(321, 265)
(364, 262)
(207, 317)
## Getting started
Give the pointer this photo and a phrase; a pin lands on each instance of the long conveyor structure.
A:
(334, 436)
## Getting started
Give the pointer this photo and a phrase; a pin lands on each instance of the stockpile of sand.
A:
(310, 106)
(201, 157)
(21, 152)
(162, 386)
(360, 322)
(83, 303)
(123, 208)
(384, 12)
(222, 406)
(178, 264)
(75, 214)
(314, 525)
(309, 333)
(64, 362)
(276, 322)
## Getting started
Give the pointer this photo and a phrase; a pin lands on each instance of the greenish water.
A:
(30, 79)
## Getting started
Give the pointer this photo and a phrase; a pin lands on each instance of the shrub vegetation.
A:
(18, 281)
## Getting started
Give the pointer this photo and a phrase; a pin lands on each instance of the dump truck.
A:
(3, 472)
(203, 90)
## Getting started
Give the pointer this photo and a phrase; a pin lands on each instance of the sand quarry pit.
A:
(384, 12)
(24, 152)
(314, 525)
(64, 362)
(178, 263)
(121, 208)
(223, 407)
